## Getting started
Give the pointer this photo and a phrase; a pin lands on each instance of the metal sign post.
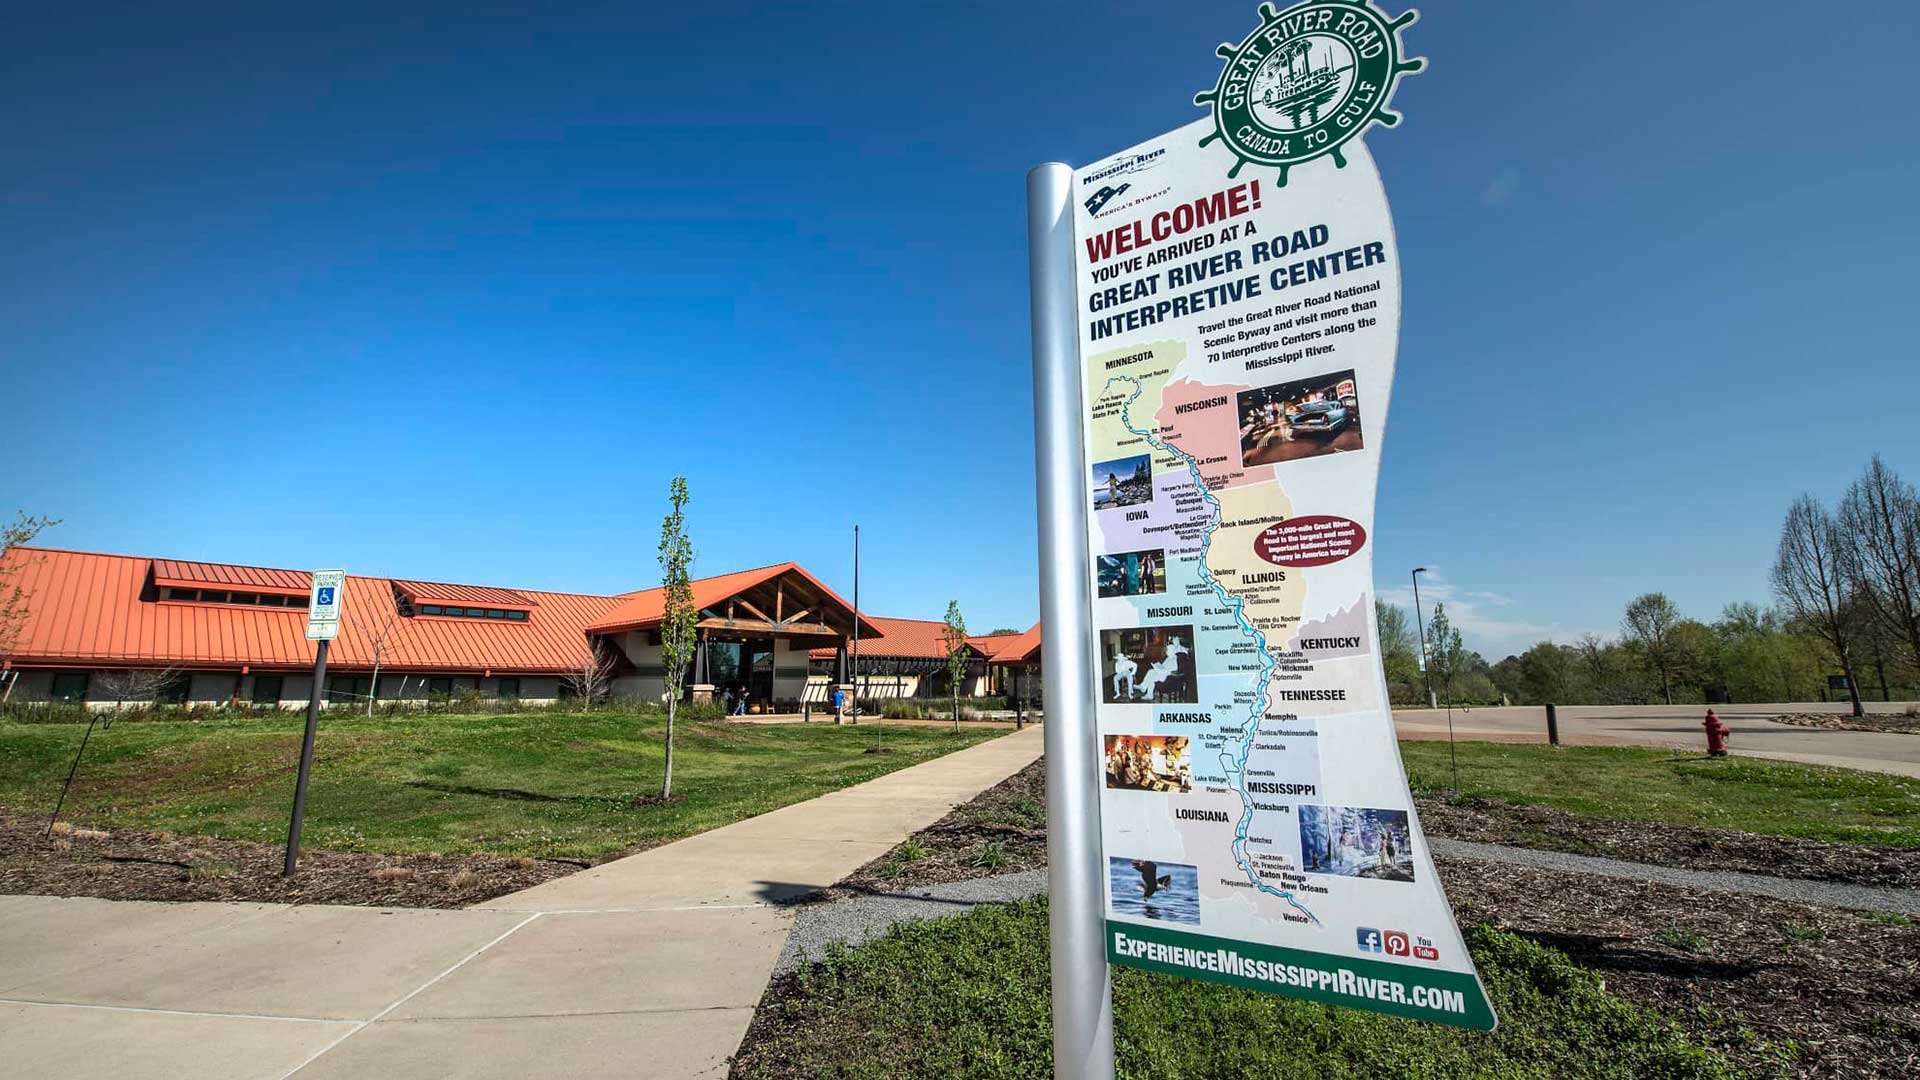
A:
(323, 625)
(1082, 993)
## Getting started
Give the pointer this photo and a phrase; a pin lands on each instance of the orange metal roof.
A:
(642, 609)
(434, 592)
(920, 638)
(1016, 648)
(193, 575)
(84, 608)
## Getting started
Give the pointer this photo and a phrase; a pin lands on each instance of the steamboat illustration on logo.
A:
(1307, 81)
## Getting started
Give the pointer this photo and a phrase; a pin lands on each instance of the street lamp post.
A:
(1425, 665)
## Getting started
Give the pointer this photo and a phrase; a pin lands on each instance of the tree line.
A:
(1846, 602)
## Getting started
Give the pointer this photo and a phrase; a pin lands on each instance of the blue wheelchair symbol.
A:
(326, 596)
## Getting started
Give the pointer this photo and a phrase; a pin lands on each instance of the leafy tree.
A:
(1650, 622)
(955, 637)
(1548, 674)
(678, 617)
(1446, 656)
(1399, 651)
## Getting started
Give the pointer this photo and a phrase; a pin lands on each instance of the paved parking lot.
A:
(1755, 733)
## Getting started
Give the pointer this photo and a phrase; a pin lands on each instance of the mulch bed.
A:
(1782, 989)
(131, 864)
(1494, 822)
(953, 842)
(1897, 723)
(1745, 973)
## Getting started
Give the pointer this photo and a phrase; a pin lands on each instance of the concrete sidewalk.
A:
(648, 966)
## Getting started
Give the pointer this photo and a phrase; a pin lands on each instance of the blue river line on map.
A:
(1236, 766)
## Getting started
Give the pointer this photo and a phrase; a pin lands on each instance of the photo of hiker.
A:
(1148, 763)
(1349, 841)
(1124, 481)
(1132, 573)
(1300, 419)
(1167, 891)
(1148, 664)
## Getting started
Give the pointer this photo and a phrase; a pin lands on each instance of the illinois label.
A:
(1237, 343)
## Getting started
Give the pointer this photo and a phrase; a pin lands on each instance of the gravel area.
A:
(1899, 723)
(857, 917)
(1824, 893)
(1493, 821)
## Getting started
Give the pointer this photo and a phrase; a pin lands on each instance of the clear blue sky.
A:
(453, 295)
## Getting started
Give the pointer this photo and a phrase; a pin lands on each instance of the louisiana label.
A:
(1239, 293)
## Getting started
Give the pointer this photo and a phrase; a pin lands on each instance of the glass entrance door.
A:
(759, 664)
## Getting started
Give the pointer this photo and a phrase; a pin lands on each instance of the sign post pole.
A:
(323, 625)
(1082, 996)
(306, 759)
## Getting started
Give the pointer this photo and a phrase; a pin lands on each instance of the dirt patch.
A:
(131, 864)
(1695, 848)
(1783, 989)
(1897, 723)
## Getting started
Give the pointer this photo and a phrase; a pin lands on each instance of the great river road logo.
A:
(1306, 81)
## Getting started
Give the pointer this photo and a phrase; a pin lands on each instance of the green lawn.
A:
(1749, 794)
(534, 783)
(968, 997)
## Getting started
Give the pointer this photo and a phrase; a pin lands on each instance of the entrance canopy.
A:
(781, 600)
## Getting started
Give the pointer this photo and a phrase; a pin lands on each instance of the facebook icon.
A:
(1367, 938)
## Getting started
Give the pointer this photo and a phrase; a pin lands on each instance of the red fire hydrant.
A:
(1717, 733)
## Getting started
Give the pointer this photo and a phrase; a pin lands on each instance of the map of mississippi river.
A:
(1237, 344)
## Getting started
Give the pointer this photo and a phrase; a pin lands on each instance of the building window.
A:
(174, 692)
(266, 689)
(448, 611)
(510, 689)
(346, 689)
(442, 687)
(211, 596)
(69, 686)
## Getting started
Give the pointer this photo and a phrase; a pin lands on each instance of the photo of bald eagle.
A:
(1149, 884)
(1151, 889)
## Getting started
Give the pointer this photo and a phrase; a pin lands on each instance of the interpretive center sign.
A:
(1239, 293)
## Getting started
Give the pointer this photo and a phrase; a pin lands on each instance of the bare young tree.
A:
(1880, 521)
(13, 595)
(388, 636)
(593, 679)
(124, 685)
(1649, 623)
(1812, 578)
(135, 684)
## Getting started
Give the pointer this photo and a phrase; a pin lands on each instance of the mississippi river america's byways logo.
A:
(1307, 80)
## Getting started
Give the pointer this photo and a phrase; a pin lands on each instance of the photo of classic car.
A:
(1318, 418)
(1302, 418)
